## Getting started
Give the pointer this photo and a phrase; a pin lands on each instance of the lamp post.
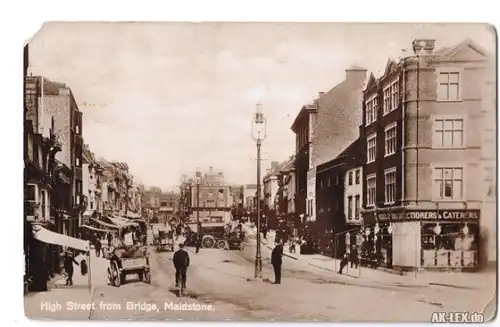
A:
(259, 135)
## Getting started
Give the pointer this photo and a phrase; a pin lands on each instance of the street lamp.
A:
(259, 135)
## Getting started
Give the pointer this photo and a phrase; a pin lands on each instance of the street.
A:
(220, 287)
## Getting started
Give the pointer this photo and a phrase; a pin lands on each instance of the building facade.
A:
(303, 129)
(249, 194)
(211, 197)
(59, 105)
(421, 191)
(333, 189)
(337, 125)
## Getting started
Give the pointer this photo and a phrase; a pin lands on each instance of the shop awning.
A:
(49, 237)
(133, 215)
(99, 229)
(121, 222)
(88, 213)
(103, 223)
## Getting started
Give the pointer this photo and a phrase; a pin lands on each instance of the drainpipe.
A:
(403, 125)
(418, 123)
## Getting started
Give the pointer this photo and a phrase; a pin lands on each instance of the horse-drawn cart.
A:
(119, 269)
(164, 241)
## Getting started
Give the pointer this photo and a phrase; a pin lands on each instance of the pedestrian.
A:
(181, 264)
(343, 262)
(98, 246)
(110, 238)
(276, 260)
(264, 232)
(68, 266)
(354, 257)
(197, 243)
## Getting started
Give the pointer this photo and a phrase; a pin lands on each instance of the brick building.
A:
(422, 194)
(303, 128)
(333, 204)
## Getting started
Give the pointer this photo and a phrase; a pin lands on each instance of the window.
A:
(31, 197)
(329, 181)
(390, 139)
(77, 162)
(371, 110)
(358, 173)
(30, 147)
(320, 183)
(395, 94)
(390, 186)
(391, 97)
(77, 129)
(371, 188)
(349, 208)
(357, 206)
(448, 183)
(371, 148)
(43, 205)
(448, 86)
(337, 179)
(91, 205)
(350, 178)
(448, 133)
(387, 100)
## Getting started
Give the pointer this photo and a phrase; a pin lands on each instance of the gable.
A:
(466, 51)
(372, 82)
(390, 67)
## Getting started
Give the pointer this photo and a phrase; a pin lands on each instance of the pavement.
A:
(479, 280)
(220, 286)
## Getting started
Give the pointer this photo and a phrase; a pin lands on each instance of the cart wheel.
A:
(147, 276)
(140, 276)
(208, 241)
(221, 244)
(115, 270)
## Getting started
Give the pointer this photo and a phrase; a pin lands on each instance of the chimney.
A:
(423, 46)
(355, 72)
(320, 94)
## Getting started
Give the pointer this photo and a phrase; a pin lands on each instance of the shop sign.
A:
(423, 215)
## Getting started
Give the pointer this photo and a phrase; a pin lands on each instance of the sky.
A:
(171, 98)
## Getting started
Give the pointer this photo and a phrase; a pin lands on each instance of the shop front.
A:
(432, 239)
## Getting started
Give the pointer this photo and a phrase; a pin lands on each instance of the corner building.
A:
(425, 176)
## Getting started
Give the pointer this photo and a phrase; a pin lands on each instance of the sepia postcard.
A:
(260, 172)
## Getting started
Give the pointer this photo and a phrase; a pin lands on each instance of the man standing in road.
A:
(276, 259)
(181, 263)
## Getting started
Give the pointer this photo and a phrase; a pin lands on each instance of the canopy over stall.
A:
(99, 229)
(49, 237)
(104, 223)
(46, 236)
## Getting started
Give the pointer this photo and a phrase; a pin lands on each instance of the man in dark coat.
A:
(181, 263)
(68, 266)
(353, 257)
(110, 238)
(276, 259)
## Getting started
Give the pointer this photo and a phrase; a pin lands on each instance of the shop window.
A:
(454, 245)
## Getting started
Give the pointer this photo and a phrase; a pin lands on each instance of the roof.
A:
(287, 164)
(348, 152)
(309, 108)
